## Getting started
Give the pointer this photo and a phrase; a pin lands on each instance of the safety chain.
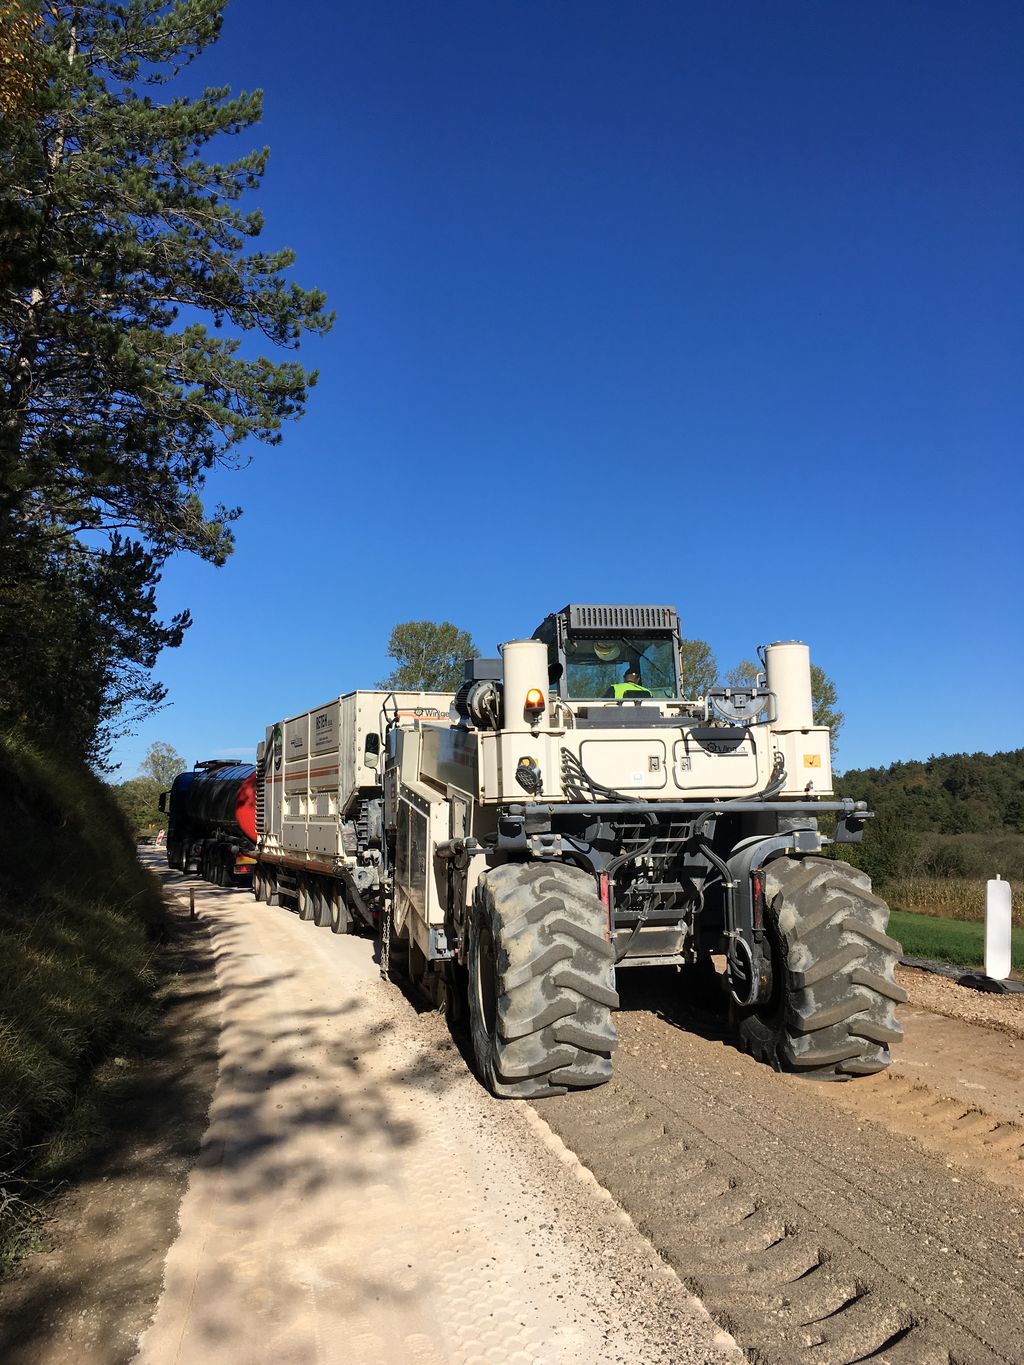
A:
(385, 943)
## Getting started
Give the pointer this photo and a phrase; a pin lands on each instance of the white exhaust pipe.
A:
(525, 668)
(788, 666)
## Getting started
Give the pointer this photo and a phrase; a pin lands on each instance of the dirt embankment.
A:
(79, 925)
(92, 1283)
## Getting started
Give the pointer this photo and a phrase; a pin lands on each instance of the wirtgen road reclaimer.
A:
(573, 816)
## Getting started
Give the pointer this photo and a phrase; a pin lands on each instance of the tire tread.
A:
(834, 1016)
(555, 968)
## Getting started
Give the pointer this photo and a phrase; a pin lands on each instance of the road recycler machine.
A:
(567, 816)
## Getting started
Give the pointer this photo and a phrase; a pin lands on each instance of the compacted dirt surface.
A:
(358, 1198)
(826, 1223)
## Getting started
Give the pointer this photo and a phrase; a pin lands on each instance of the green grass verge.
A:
(80, 920)
(948, 940)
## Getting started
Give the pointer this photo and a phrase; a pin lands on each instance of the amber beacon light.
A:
(535, 700)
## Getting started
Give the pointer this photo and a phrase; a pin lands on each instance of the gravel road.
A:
(360, 1199)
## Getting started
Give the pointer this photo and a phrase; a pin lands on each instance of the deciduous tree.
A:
(430, 656)
(699, 667)
(824, 697)
(19, 54)
(162, 763)
(138, 798)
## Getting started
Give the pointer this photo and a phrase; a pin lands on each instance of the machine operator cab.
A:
(612, 653)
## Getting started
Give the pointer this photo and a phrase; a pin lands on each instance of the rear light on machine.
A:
(535, 700)
(757, 898)
(606, 901)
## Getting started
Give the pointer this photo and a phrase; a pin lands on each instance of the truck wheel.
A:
(322, 895)
(304, 897)
(832, 1013)
(339, 910)
(541, 981)
(273, 896)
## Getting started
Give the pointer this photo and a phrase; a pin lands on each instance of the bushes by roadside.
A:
(79, 923)
(893, 852)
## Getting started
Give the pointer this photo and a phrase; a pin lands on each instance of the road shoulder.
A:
(90, 1293)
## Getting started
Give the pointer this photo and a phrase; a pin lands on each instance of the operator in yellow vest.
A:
(630, 686)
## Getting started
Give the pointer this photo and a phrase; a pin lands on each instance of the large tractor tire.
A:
(832, 1012)
(541, 981)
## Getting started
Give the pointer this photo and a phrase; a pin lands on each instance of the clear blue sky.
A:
(718, 304)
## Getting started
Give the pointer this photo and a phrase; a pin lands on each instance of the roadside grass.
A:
(948, 940)
(80, 921)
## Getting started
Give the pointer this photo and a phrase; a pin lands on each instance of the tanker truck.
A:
(211, 824)
(569, 815)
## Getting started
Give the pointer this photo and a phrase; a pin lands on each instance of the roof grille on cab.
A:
(621, 618)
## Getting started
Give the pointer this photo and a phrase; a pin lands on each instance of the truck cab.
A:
(592, 648)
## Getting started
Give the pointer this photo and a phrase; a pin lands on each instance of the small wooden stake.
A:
(191, 902)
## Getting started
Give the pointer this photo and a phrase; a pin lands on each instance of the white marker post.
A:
(997, 929)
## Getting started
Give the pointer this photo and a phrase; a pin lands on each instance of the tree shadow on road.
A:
(280, 1121)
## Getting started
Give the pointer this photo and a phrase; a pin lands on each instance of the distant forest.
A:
(954, 815)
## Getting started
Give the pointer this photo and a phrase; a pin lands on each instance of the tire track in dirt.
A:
(812, 1236)
(965, 1134)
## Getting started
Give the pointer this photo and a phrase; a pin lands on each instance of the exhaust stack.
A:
(788, 665)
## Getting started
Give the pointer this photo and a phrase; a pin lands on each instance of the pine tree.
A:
(120, 245)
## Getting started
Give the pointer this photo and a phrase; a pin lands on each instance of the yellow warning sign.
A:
(812, 760)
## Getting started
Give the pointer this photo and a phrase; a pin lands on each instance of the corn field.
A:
(950, 897)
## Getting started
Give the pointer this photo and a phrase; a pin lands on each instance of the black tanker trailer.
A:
(211, 825)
